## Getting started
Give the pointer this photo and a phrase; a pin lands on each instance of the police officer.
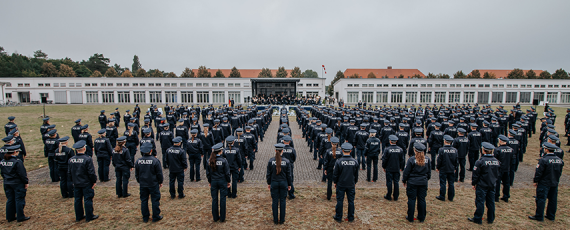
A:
(232, 155)
(415, 179)
(149, 175)
(86, 136)
(178, 164)
(446, 166)
(218, 174)
(111, 132)
(102, 119)
(393, 161)
(123, 166)
(475, 141)
(76, 130)
(250, 143)
(461, 143)
(279, 182)
(18, 141)
(51, 145)
(132, 140)
(15, 184)
(345, 177)
(166, 137)
(82, 173)
(104, 151)
(330, 158)
(194, 149)
(62, 156)
(8, 125)
(148, 139)
(360, 138)
(546, 179)
(485, 174)
(506, 156)
(372, 151)
(291, 154)
(435, 140)
(207, 142)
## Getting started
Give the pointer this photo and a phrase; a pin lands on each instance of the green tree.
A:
(330, 88)
(3, 52)
(310, 74)
(531, 74)
(281, 72)
(97, 62)
(431, 75)
(96, 73)
(235, 73)
(355, 75)
(401, 76)
(119, 69)
(459, 74)
(296, 72)
(265, 73)
(171, 75)
(40, 54)
(49, 70)
(187, 73)
(30, 73)
(136, 64)
(66, 71)
(83, 71)
(219, 74)
(545, 75)
(203, 72)
(127, 73)
(560, 74)
(443, 76)
(474, 74)
(371, 75)
(417, 76)
(142, 73)
(488, 75)
(516, 74)
(111, 73)
(156, 73)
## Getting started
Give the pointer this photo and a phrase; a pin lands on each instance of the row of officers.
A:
(221, 167)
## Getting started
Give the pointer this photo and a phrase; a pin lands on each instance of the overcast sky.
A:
(432, 36)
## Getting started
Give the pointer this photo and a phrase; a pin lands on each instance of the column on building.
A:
(178, 97)
(132, 97)
(163, 96)
(100, 96)
(389, 99)
(404, 101)
(432, 97)
(147, 97)
(374, 97)
(115, 96)
(68, 95)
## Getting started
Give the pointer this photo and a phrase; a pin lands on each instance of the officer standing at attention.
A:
(149, 175)
(111, 132)
(178, 164)
(485, 174)
(194, 150)
(207, 142)
(393, 161)
(82, 173)
(330, 158)
(291, 154)
(218, 174)
(279, 182)
(76, 130)
(372, 151)
(15, 184)
(166, 137)
(132, 140)
(461, 143)
(506, 156)
(345, 179)
(446, 166)
(103, 151)
(232, 155)
(51, 145)
(8, 125)
(102, 119)
(415, 179)
(546, 179)
(62, 156)
(86, 136)
(123, 166)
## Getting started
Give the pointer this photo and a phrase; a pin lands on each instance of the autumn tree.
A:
(171, 75)
(355, 75)
(219, 74)
(560, 74)
(204, 72)
(417, 76)
(488, 75)
(127, 73)
(309, 74)
(474, 74)
(281, 72)
(96, 73)
(516, 74)
(371, 75)
(142, 73)
(235, 73)
(265, 73)
(157, 73)
(296, 72)
(431, 75)
(49, 70)
(459, 74)
(545, 75)
(39, 54)
(66, 71)
(111, 73)
(443, 76)
(531, 74)
(187, 73)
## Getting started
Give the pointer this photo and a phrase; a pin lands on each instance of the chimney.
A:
(389, 67)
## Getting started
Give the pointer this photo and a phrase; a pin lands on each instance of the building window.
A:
(8, 95)
(92, 96)
(214, 84)
(454, 97)
(118, 84)
(166, 84)
(206, 84)
(468, 97)
(368, 97)
(312, 94)
(109, 84)
(497, 97)
(539, 96)
(155, 96)
(125, 84)
(54, 85)
(157, 84)
(565, 98)
(423, 85)
(170, 96)
(182, 84)
(173, 84)
(47, 84)
(299, 85)
(349, 85)
(124, 96)
(40, 84)
(551, 97)
(218, 97)
(425, 97)
(382, 97)
(437, 85)
(511, 97)
(108, 97)
(135, 84)
(187, 96)
(444, 85)
(87, 84)
(429, 85)
(495, 85)
(356, 85)
(394, 85)
(189, 84)
(150, 84)
(222, 84)
(525, 97)
(411, 97)
(203, 96)
(396, 97)
(28, 84)
(198, 84)
(139, 96)
(352, 97)
(235, 95)
(439, 97)
(315, 85)
(232, 84)
(483, 98)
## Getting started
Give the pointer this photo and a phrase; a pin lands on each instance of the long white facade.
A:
(447, 91)
(140, 90)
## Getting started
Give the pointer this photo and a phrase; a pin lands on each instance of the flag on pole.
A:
(324, 69)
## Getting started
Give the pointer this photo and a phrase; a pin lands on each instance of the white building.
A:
(423, 91)
(152, 90)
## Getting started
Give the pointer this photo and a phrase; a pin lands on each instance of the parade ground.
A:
(252, 208)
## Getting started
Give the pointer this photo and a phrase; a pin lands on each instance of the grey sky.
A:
(433, 36)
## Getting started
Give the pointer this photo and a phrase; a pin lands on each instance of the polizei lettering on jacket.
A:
(275, 163)
(348, 162)
(76, 160)
(145, 162)
(491, 163)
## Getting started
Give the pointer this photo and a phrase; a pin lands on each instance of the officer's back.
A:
(548, 170)
(148, 171)
(486, 172)
(82, 171)
(346, 171)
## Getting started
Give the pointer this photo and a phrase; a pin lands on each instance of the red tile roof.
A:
(503, 73)
(391, 73)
